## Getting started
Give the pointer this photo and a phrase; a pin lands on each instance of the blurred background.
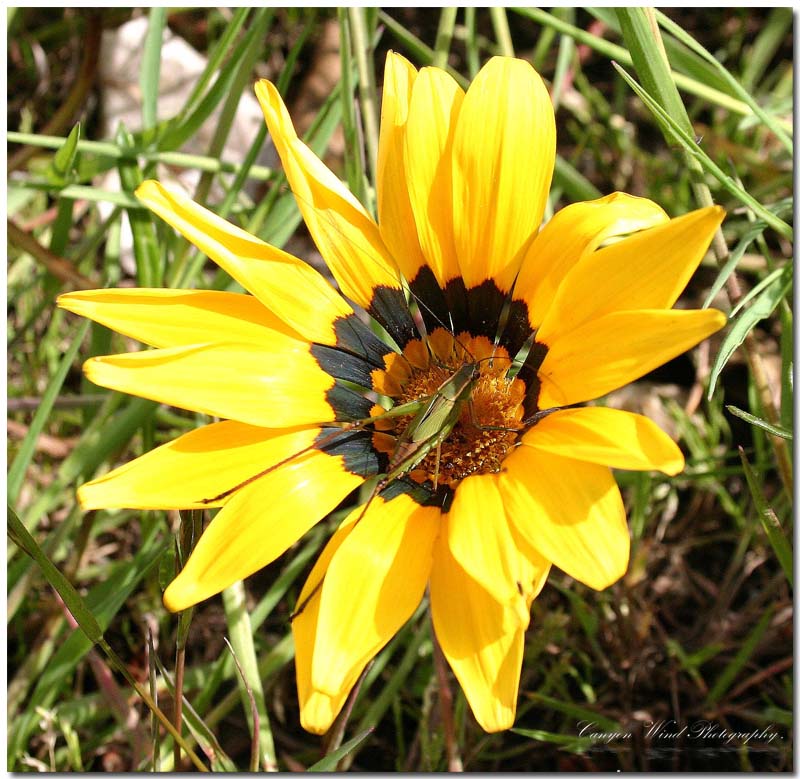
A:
(699, 631)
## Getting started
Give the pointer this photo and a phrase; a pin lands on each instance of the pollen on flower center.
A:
(489, 414)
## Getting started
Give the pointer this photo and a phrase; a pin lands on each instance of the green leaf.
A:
(241, 635)
(753, 232)
(769, 521)
(571, 743)
(733, 85)
(737, 664)
(578, 713)
(674, 132)
(761, 308)
(762, 423)
(16, 474)
(72, 600)
(149, 77)
(63, 163)
(329, 762)
(652, 66)
(201, 733)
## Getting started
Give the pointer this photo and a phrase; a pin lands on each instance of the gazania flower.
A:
(497, 470)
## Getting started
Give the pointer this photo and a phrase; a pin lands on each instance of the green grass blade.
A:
(64, 159)
(651, 63)
(761, 308)
(16, 474)
(787, 366)
(202, 734)
(149, 78)
(184, 127)
(444, 35)
(676, 133)
(241, 635)
(329, 762)
(782, 432)
(25, 541)
(621, 54)
(570, 743)
(769, 521)
(740, 91)
(737, 664)
(770, 38)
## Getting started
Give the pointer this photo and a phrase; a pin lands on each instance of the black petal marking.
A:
(529, 373)
(355, 447)
(343, 365)
(517, 330)
(355, 336)
(389, 307)
(430, 300)
(347, 404)
(475, 310)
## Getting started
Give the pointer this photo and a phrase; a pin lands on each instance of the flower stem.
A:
(180, 662)
(454, 763)
(337, 731)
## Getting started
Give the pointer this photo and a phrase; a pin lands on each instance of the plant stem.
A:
(454, 763)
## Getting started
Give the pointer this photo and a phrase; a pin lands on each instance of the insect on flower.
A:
(490, 468)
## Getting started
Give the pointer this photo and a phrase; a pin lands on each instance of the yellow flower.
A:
(523, 479)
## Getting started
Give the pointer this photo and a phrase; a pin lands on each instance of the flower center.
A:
(487, 411)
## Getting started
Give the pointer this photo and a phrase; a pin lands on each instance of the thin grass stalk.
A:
(637, 24)
(87, 622)
(454, 762)
(76, 98)
(471, 42)
(362, 46)
(336, 733)
(444, 35)
(248, 59)
(501, 30)
(250, 688)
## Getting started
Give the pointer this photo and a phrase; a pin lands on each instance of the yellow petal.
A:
(609, 352)
(373, 585)
(607, 436)
(481, 541)
(190, 471)
(395, 217)
(434, 108)
(503, 157)
(317, 710)
(278, 384)
(647, 270)
(259, 523)
(469, 625)
(176, 317)
(571, 234)
(570, 511)
(288, 287)
(347, 237)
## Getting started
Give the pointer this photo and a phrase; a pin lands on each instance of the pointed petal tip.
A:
(183, 593)
(148, 189)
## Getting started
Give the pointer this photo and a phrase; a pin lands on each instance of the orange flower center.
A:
(489, 415)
